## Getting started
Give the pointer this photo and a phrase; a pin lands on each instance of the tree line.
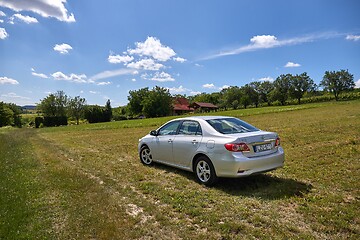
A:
(57, 107)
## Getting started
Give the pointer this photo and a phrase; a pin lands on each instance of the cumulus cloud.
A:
(77, 78)
(2, 14)
(25, 19)
(162, 77)
(62, 48)
(120, 59)
(195, 93)
(179, 59)
(224, 87)
(292, 65)
(177, 90)
(357, 84)
(353, 37)
(103, 83)
(152, 47)
(45, 8)
(40, 75)
(270, 79)
(6, 80)
(146, 64)
(3, 33)
(209, 86)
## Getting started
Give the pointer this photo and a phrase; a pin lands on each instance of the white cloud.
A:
(269, 41)
(133, 80)
(270, 79)
(62, 48)
(40, 75)
(1, 21)
(112, 73)
(45, 8)
(2, 14)
(71, 78)
(198, 65)
(152, 47)
(25, 19)
(179, 59)
(176, 90)
(3, 33)
(103, 83)
(195, 92)
(357, 84)
(6, 80)
(146, 64)
(93, 92)
(353, 37)
(224, 87)
(209, 85)
(162, 77)
(291, 65)
(13, 95)
(120, 59)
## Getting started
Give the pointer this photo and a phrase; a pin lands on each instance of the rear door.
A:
(186, 142)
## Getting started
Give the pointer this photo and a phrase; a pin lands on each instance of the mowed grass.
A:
(86, 182)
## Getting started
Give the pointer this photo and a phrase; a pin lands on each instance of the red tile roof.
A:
(204, 105)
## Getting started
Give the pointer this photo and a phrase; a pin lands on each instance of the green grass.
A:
(82, 182)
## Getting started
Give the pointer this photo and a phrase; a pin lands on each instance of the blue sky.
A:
(102, 49)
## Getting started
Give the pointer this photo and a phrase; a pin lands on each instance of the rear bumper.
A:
(237, 165)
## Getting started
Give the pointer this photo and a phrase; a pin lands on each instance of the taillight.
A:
(277, 142)
(237, 147)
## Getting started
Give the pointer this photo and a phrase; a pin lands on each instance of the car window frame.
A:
(167, 124)
(197, 133)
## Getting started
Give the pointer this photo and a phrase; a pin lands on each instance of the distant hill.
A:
(29, 107)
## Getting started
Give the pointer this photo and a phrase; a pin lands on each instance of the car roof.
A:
(203, 117)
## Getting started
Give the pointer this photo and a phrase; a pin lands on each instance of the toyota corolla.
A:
(212, 147)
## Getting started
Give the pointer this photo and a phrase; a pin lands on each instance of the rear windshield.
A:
(231, 126)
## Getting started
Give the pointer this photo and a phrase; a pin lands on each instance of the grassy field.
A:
(86, 182)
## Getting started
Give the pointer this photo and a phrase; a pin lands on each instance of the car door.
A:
(163, 145)
(186, 142)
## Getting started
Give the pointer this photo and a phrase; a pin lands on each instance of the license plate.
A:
(263, 147)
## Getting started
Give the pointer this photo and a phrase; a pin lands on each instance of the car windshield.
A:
(231, 126)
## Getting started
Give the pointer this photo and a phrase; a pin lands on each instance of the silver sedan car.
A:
(212, 147)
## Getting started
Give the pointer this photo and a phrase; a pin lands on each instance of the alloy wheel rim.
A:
(203, 171)
(146, 156)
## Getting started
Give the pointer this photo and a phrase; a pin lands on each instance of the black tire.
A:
(205, 171)
(145, 156)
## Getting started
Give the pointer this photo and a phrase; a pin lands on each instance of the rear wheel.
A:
(145, 156)
(205, 171)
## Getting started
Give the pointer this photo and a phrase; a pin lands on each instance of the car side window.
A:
(190, 128)
(169, 129)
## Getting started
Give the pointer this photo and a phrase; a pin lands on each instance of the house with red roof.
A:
(181, 106)
(203, 107)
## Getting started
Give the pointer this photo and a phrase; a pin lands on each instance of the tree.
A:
(265, 89)
(249, 95)
(108, 111)
(136, 99)
(337, 82)
(230, 97)
(300, 84)
(281, 88)
(157, 103)
(54, 105)
(76, 108)
(9, 115)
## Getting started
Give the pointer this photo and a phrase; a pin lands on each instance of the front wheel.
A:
(205, 171)
(145, 156)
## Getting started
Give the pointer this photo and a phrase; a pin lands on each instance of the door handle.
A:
(194, 141)
(170, 141)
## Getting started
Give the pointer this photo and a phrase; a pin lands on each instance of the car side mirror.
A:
(153, 133)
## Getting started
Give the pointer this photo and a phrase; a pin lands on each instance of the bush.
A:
(38, 121)
(55, 121)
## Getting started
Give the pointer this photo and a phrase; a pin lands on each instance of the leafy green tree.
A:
(249, 95)
(337, 82)
(265, 88)
(301, 84)
(157, 103)
(108, 111)
(281, 88)
(76, 108)
(136, 99)
(229, 96)
(9, 115)
(54, 105)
